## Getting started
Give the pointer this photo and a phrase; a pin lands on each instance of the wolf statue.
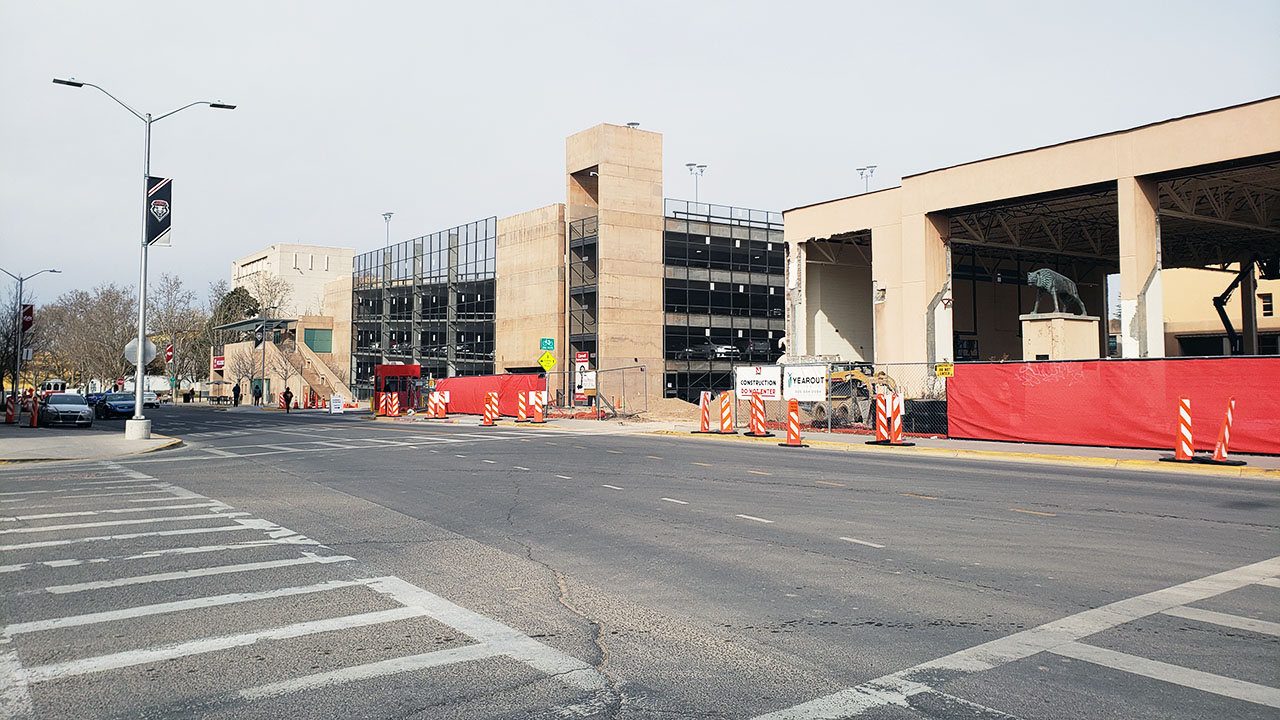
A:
(1046, 280)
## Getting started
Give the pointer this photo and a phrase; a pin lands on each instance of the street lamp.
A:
(139, 428)
(865, 173)
(17, 333)
(387, 216)
(696, 171)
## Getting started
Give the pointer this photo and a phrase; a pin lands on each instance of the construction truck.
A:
(851, 392)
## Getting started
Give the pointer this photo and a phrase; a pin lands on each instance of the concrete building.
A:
(935, 269)
(306, 268)
(644, 288)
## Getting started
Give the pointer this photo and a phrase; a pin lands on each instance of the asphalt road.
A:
(334, 567)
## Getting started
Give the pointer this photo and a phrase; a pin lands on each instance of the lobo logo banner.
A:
(762, 380)
(159, 210)
(805, 383)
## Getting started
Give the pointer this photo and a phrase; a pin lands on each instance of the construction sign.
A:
(547, 361)
(762, 380)
(944, 370)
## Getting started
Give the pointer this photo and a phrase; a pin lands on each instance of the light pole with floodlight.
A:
(139, 428)
(865, 173)
(17, 334)
(387, 216)
(696, 171)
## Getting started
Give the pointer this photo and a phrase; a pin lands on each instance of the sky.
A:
(445, 113)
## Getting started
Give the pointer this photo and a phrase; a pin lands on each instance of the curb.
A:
(1041, 458)
(172, 443)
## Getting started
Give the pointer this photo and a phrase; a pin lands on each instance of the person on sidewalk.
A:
(287, 396)
(235, 396)
(257, 394)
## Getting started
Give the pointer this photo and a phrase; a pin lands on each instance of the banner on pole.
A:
(159, 210)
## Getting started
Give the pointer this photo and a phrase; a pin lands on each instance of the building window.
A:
(320, 341)
(295, 261)
(311, 262)
(326, 263)
(1268, 308)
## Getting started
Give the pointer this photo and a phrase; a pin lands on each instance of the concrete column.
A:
(926, 283)
(1249, 311)
(797, 312)
(1141, 294)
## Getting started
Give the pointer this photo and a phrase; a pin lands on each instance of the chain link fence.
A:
(850, 399)
(603, 394)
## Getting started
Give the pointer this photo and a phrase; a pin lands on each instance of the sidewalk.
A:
(19, 443)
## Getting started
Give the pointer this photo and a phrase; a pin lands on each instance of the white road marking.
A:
(564, 477)
(517, 467)
(373, 670)
(979, 658)
(219, 452)
(170, 607)
(113, 511)
(130, 658)
(757, 519)
(107, 523)
(678, 502)
(247, 524)
(1269, 582)
(1175, 674)
(1225, 620)
(491, 462)
(306, 559)
(195, 550)
(15, 697)
(611, 487)
(861, 542)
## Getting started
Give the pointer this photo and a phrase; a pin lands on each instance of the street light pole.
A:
(17, 334)
(865, 173)
(139, 428)
(262, 315)
(387, 216)
(696, 171)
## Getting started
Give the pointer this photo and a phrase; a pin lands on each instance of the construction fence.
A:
(601, 394)
(840, 397)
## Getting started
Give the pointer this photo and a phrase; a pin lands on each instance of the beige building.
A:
(306, 269)
(936, 269)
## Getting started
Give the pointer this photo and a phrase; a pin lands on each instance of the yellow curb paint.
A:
(1033, 512)
(827, 482)
(702, 464)
(759, 472)
(653, 457)
(614, 452)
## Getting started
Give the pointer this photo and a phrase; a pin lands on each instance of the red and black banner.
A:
(159, 210)
(28, 317)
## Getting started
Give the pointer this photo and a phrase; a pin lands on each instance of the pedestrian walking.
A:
(235, 396)
(257, 393)
(288, 398)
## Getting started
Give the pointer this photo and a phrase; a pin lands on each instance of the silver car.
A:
(65, 408)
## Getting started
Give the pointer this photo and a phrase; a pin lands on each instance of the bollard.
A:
(726, 414)
(1184, 449)
(33, 406)
(9, 408)
(539, 402)
(757, 418)
(393, 404)
(793, 426)
(889, 421)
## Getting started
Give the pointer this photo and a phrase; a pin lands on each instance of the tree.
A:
(279, 364)
(176, 319)
(239, 368)
(270, 291)
(85, 333)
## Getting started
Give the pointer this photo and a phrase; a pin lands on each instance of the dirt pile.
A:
(670, 410)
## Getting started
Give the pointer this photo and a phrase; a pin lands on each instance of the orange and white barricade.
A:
(889, 421)
(757, 421)
(704, 407)
(393, 404)
(1224, 437)
(726, 414)
(1184, 449)
(10, 410)
(522, 411)
(33, 405)
(538, 398)
(490, 409)
(282, 402)
(793, 425)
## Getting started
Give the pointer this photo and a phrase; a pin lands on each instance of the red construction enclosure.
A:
(399, 379)
(1116, 403)
(466, 394)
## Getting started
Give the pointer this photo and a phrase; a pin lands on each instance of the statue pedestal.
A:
(1060, 336)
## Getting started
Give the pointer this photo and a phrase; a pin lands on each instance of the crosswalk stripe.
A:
(306, 559)
(107, 523)
(241, 525)
(372, 670)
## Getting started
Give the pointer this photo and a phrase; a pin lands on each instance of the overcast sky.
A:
(446, 113)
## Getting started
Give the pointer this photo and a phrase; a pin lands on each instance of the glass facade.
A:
(583, 244)
(723, 293)
(427, 301)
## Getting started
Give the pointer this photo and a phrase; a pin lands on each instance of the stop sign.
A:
(120, 382)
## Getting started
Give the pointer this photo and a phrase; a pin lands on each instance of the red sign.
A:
(28, 317)
(219, 362)
(582, 357)
(119, 382)
(168, 353)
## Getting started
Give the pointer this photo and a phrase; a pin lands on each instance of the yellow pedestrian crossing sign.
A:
(547, 361)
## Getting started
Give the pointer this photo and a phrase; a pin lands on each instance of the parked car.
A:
(758, 349)
(93, 398)
(150, 400)
(114, 405)
(708, 350)
(65, 409)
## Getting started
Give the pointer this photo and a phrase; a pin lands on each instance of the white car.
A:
(150, 400)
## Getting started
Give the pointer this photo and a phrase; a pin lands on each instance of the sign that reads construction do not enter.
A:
(805, 383)
(762, 380)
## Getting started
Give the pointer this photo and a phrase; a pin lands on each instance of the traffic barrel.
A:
(793, 425)
(539, 402)
(33, 405)
(490, 409)
(9, 410)
(757, 418)
(704, 408)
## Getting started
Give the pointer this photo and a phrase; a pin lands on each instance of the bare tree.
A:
(280, 365)
(177, 320)
(270, 290)
(239, 368)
